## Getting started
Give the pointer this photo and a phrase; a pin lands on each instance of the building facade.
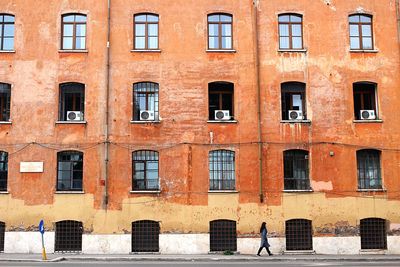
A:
(178, 127)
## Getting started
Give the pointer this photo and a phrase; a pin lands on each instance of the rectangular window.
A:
(7, 28)
(220, 98)
(369, 169)
(365, 101)
(298, 234)
(145, 102)
(5, 99)
(223, 236)
(146, 32)
(70, 171)
(72, 102)
(68, 236)
(3, 170)
(73, 32)
(290, 31)
(296, 170)
(373, 233)
(145, 236)
(293, 99)
(360, 29)
(145, 170)
(222, 170)
(220, 32)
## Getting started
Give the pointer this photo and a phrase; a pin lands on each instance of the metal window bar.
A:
(223, 235)
(145, 236)
(3, 170)
(368, 169)
(145, 97)
(296, 170)
(68, 236)
(2, 233)
(373, 233)
(298, 234)
(222, 170)
(70, 171)
(145, 170)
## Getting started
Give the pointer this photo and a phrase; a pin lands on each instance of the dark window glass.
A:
(5, 99)
(146, 31)
(296, 170)
(7, 32)
(222, 170)
(72, 102)
(68, 236)
(364, 100)
(360, 28)
(293, 100)
(2, 233)
(369, 169)
(73, 32)
(145, 100)
(220, 97)
(298, 234)
(373, 233)
(223, 235)
(290, 31)
(145, 236)
(220, 31)
(145, 170)
(3, 170)
(70, 171)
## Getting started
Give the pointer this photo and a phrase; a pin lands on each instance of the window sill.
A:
(145, 191)
(4, 192)
(373, 251)
(221, 121)
(295, 121)
(292, 50)
(73, 51)
(221, 51)
(223, 191)
(5, 122)
(372, 190)
(144, 122)
(146, 51)
(7, 51)
(70, 192)
(368, 121)
(71, 122)
(298, 191)
(363, 51)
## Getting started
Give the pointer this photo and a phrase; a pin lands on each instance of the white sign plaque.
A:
(31, 167)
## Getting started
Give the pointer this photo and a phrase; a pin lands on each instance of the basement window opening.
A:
(68, 236)
(298, 234)
(373, 233)
(223, 235)
(2, 234)
(145, 236)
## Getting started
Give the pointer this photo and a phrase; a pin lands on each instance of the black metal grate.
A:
(223, 235)
(222, 170)
(2, 232)
(68, 236)
(145, 236)
(296, 170)
(298, 234)
(373, 233)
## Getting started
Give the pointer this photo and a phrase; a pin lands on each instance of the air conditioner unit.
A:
(147, 115)
(222, 115)
(295, 114)
(74, 116)
(366, 114)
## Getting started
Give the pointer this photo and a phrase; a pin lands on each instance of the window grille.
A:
(145, 236)
(145, 170)
(2, 233)
(373, 233)
(223, 235)
(298, 234)
(222, 170)
(145, 97)
(296, 170)
(68, 236)
(369, 169)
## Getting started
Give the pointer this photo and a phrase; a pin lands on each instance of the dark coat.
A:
(264, 239)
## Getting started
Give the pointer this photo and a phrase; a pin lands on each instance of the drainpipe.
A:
(257, 65)
(107, 138)
(398, 18)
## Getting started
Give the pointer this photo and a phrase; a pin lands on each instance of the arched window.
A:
(146, 31)
(298, 234)
(3, 170)
(365, 101)
(361, 33)
(296, 170)
(223, 235)
(70, 171)
(145, 170)
(72, 102)
(293, 98)
(290, 31)
(219, 31)
(2, 233)
(68, 236)
(7, 32)
(373, 233)
(73, 32)
(369, 169)
(145, 101)
(220, 101)
(222, 169)
(145, 236)
(5, 100)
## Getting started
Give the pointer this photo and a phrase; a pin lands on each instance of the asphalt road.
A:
(202, 264)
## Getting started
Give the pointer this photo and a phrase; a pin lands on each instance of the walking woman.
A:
(264, 239)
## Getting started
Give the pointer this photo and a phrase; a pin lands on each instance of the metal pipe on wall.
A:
(107, 138)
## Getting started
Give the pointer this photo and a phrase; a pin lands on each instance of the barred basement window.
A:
(373, 233)
(145, 170)
(2, 232)
(296, 170)
(223, 235)
(369, 169)
(68, 236)
(145, 101)
(298, 234)
(222, 169)
(145, 236)
(72, 102)
(5, 99)
(70, 171)
(3, 170)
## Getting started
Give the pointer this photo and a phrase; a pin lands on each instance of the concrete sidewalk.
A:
(183, 258)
